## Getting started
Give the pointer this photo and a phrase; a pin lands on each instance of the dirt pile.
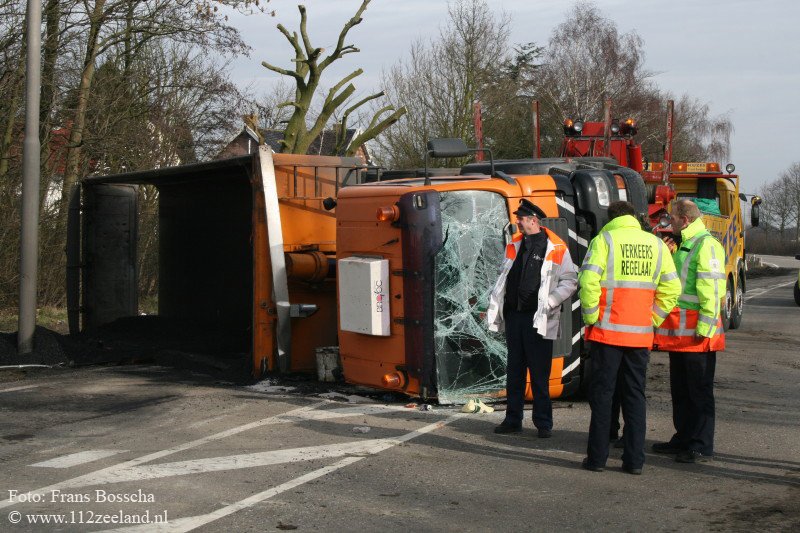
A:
(48, 349)
(140, 340)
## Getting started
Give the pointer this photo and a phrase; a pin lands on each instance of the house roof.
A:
(324, 144)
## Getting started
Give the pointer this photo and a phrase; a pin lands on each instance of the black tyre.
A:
(737, 307)
(727, 309)
(797, 293)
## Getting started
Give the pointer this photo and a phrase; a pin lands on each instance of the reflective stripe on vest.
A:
(681, 336)
(678, 333)
(643, 334)
(695, 243)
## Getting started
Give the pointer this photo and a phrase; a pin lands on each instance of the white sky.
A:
(742, 57)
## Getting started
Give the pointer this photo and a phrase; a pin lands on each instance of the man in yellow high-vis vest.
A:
(692, 334)
(628, 285)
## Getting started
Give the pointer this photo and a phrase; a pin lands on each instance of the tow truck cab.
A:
(717, 194)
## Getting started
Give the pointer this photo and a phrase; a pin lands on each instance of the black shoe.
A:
(666, 447)
(589, 466)
(545, 433)
(507, 428)
(631, 470)
(692, 456)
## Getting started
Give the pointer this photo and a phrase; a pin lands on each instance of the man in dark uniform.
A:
(537, 276)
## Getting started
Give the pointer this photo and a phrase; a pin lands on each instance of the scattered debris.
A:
(477, 406)
(329, 368)
(426, 407)
(411, 405)
(269, 386)
(361, 429)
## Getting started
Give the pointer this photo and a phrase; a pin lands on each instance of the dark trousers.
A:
(691, 380)
(616, 406)
(630, 364)
(527, 350)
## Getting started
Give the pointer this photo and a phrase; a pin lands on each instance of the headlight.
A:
(603, 194)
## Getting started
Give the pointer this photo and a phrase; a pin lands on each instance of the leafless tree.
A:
(441, 79)
(309, 64)
(126, 86)
(108, 24)
(779, 211)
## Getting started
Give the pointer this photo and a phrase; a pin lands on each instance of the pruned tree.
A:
(309, 64)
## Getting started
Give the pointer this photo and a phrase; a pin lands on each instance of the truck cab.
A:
(417, 259)
(718, 197)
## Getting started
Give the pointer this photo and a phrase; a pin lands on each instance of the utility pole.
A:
(29, 232)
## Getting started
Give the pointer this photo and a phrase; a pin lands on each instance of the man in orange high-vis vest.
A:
(692, 334)
(628, 285)
(536, 277)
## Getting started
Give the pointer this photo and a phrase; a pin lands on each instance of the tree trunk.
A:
(13, 106)
(75, 144)
(48, 92)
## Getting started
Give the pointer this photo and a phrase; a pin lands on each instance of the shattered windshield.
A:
(470, 360)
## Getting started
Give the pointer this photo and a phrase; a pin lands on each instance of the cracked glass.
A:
(470, 360)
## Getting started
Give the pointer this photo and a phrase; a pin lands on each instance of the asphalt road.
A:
(213, 457)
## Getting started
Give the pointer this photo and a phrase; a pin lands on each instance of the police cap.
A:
(529, 209)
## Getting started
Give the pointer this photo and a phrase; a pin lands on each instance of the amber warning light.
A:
(389, 213)
(395, 380)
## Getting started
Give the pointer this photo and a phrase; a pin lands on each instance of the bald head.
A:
(683, 213)
(686, 208)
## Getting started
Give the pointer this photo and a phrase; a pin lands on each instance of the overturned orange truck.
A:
(271, 256)
(246, 258)
(418, 257)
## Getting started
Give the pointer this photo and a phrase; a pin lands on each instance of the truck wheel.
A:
(737, 307)
(727, 309)
(797, 293)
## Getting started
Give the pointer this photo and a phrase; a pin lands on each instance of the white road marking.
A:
(758, 292)
(301, 414)
(79, 458)
(24, 387)
(200, 423)
(192, 522)
(236, 462)
(79, 481)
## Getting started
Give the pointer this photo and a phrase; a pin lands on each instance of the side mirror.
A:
(447, 148)
(742, 197)
(755, 210)
(797, 256)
